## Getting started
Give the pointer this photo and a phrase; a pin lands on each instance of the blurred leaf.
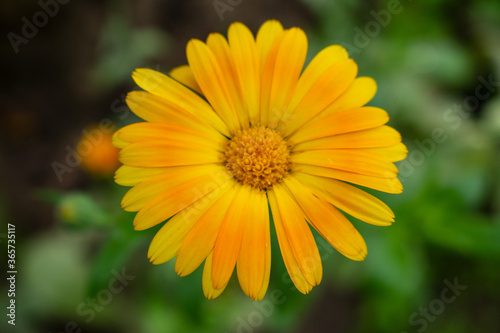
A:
(114, 253)
(158, 318)
(75, 209)
(395, 271)
(440, 59)
(124, 48)
(52, 273)
(80, 210)
(444, 222)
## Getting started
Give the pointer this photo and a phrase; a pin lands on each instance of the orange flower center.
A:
(258, 156)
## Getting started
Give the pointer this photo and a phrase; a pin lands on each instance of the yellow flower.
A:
(242, 128)
(97, 154)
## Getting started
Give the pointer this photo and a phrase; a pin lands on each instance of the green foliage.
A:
(123, 48)
(447, 220)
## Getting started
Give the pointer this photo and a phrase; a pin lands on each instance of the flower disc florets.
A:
(258, 156)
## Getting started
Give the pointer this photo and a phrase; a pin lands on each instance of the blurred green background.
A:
(82, 268)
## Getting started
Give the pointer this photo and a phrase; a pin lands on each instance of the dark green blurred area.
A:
(431, 60)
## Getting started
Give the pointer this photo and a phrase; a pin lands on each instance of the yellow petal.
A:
(358, 161)
(389, 185)
(150, 188)
(156, 109)
(328, 221)
(267, 271)
(223, 57)
(358, 94)
(316, 69)
(177, 198)
(267, 78)
(344, 121)
(281, 73)
(179, 95)
(228, 243)
(164, 154)
(169, 238)
(213, 82)
(130, 176)
(299, 236)
(245, 55)
(117, 142)
(171, 134)
(200, 241)
(291, 265)
(208, 288)
(394, 153)
(324, 60)
(184, 75)
(349, 199)
(268, 32)
(383, 136)
(317, 93)
(251, 265)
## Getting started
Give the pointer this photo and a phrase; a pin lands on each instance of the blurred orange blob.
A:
(97, 155)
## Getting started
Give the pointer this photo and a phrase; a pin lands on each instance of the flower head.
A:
(243, 128)
(97, 154)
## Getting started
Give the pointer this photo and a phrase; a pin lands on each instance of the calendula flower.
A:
(242, 128)
(97, 154)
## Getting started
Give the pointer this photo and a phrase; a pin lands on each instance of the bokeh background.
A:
(437, 64)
